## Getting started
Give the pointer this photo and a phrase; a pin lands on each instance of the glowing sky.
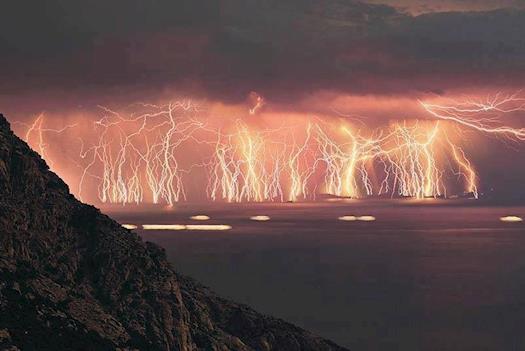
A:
(373, 58)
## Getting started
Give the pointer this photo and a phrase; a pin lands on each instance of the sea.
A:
(367, 274)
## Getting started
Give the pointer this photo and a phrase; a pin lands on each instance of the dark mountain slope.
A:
(72, 278)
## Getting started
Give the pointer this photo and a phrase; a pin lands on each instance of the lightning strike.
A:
(482, 115)
(142, 157)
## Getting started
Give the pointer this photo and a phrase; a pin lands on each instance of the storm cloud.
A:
(284, 50)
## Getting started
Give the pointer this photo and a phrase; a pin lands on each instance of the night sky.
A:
(374, 57)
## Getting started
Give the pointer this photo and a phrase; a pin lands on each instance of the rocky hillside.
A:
(71, 278)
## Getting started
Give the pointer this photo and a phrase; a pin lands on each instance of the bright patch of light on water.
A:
(366, 218)
(163, 227)
(348, 218)
(260, 218)
(200, 218)
(511, 219)
(208, 227)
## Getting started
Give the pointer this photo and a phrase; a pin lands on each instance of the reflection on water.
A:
(511, 219)
(200, 218)
(348, 218)
(260, 218)
(163, 227)
(419, 278)
(366, 218)
(360, 218)
(203, 227)
(208, 227)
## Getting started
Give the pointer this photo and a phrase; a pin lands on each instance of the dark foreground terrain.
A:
(74, 279)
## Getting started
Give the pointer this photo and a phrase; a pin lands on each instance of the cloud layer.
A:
(284, 50)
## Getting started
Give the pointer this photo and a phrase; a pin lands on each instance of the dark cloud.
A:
(425, 6)
(282, 49)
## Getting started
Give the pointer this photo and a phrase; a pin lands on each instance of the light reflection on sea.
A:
(419, 277)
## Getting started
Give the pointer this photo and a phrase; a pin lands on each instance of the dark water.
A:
(421, 277)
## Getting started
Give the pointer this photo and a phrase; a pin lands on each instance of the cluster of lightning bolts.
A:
(482, 115)
(137, 158)
(36, 135)
(138, 154)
